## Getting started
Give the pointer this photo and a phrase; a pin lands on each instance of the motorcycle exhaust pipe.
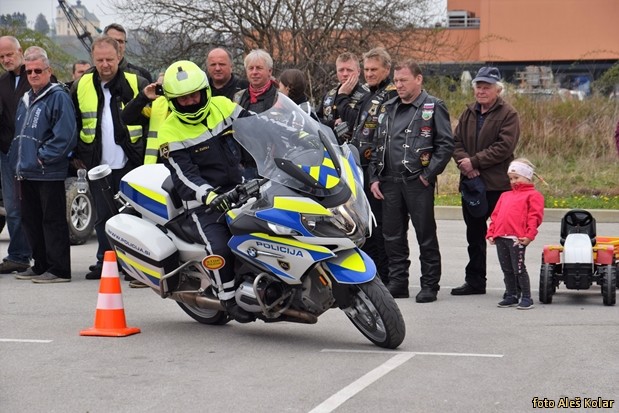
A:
(200, 301)
(196, 300)
(300, 316)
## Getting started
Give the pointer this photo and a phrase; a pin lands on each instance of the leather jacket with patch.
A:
(425, 148)
(365, 116)
(327, 111)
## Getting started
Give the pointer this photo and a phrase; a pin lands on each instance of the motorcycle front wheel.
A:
(376, 315)
(205, 316)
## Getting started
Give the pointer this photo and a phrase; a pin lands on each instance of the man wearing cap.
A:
(485, 140)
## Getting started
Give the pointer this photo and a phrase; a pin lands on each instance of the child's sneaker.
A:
(508, 301)
(526, 303)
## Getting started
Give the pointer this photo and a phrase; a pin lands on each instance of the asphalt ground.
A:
(461, 354)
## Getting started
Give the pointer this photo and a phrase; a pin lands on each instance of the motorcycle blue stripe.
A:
(352, 267)
(144, 200)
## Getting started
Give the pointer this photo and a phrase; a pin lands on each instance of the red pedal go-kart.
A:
(581, 260)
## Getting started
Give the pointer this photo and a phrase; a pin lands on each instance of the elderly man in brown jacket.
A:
(485, 140)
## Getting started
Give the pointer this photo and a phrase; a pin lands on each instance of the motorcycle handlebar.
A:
(243, 192)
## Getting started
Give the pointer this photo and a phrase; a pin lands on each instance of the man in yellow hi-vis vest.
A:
(151, 106)
(99, 96)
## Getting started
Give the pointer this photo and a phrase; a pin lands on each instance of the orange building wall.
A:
(540, 30)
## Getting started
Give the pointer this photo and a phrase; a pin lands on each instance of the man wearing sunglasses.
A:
(13, 85)
(45, 133)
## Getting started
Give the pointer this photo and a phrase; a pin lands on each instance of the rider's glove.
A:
(221, 203)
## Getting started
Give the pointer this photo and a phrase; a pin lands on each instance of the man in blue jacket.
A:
(45, 133)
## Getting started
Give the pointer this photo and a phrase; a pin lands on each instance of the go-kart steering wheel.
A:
(578, 218)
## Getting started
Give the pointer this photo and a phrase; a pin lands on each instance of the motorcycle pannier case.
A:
(154, 197)
(143, 250)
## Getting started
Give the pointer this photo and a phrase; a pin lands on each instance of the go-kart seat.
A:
(578, 221)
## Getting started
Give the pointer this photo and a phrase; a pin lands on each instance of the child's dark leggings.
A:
(511, 258)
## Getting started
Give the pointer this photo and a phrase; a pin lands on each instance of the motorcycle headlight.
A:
(282, 230)
(342, 221)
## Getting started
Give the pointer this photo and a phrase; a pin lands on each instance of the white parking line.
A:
(358, 385)
(355, 387)
(17, 340)
(419, 353)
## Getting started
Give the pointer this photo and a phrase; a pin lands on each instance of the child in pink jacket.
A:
(513, 226)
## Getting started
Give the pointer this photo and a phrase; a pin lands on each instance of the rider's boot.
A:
(239, 315)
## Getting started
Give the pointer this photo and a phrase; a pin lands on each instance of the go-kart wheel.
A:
(546, 283)
(609, 284)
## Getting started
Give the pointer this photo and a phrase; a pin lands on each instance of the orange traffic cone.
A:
(110, 315)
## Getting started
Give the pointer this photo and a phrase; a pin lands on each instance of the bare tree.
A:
(306, 34)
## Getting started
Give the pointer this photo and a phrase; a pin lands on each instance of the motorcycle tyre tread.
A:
(220, 318)
(389, 311)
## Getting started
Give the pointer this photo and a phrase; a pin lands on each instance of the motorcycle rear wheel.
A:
(205, 316)
(376, 315)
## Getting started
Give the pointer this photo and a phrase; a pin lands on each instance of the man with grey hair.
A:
(485, 139)
(46, 133)
(258, 97)
(13, 85)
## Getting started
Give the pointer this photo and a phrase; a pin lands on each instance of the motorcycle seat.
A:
(185, 228)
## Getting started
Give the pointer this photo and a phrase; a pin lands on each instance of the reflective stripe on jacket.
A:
(158, 114)
(203, 156)
(88, 105)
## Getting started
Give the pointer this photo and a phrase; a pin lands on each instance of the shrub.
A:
(571, 143)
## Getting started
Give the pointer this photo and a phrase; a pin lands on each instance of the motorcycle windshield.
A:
(293, 149)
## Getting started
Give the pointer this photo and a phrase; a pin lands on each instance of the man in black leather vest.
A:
(414, 144)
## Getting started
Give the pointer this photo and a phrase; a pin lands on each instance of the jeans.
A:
(19, 250)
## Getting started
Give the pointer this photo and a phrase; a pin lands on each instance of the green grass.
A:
(571, 143)
(569, 202)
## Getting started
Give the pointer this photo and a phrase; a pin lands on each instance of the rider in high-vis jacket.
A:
(196, 145)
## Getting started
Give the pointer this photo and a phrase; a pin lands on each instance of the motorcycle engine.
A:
(269, 291)
(317, 296)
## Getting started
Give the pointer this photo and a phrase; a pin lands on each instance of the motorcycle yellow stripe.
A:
(137, 265)
(350, 177)
(293, 243)
(303, 206)
(328, 162)
(315, 172)
(332, 181)
(354, 262)
(149, 193)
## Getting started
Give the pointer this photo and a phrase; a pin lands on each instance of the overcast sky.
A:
(32, 8)
(100, 8)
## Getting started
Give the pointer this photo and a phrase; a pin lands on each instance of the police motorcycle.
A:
(296, 233)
